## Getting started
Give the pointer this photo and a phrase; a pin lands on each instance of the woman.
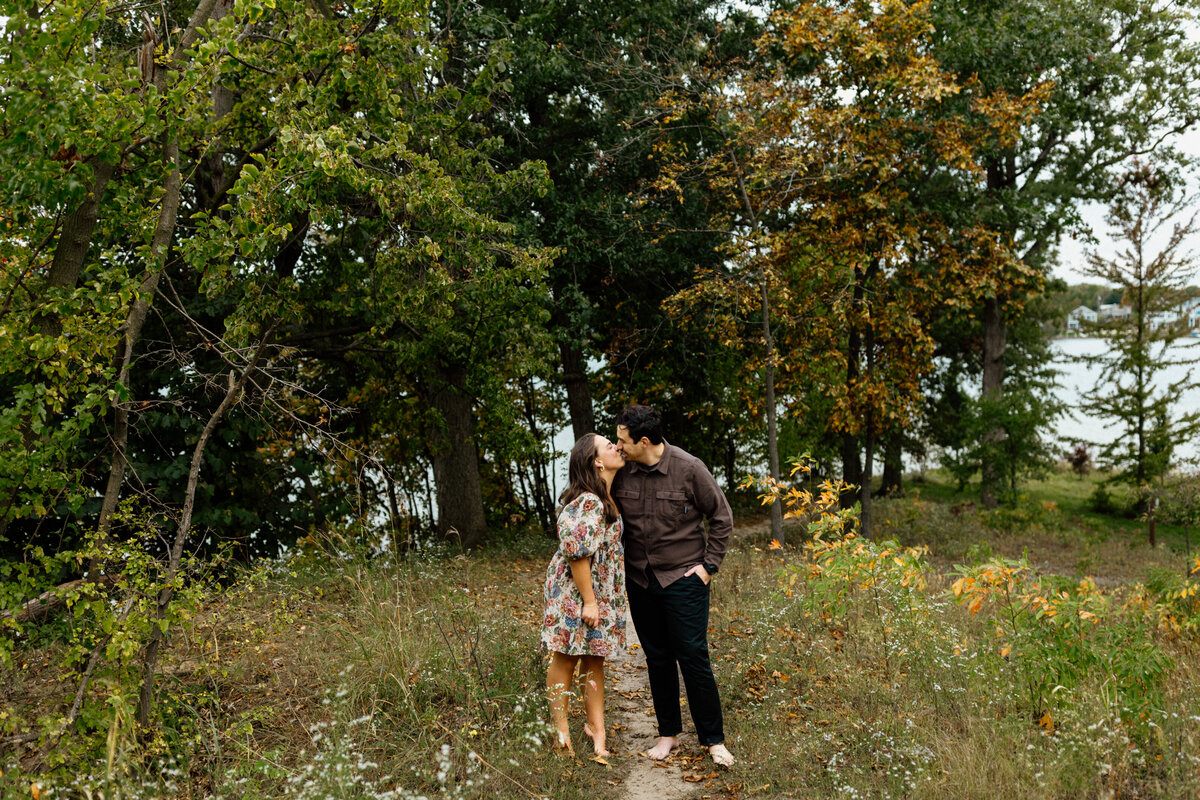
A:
(585, 587)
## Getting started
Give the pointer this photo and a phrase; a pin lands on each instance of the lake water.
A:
(1078, 377)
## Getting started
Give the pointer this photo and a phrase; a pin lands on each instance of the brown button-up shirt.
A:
(664, 509)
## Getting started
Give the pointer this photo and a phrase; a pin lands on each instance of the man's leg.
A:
(645, 608)
(685, 607)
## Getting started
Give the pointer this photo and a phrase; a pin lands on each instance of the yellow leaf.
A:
(1004, 651)
(775, 545)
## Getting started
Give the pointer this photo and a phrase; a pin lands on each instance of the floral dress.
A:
(583, 534)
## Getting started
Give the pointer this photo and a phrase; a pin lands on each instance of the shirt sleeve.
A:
(711, 502)
(581, 527)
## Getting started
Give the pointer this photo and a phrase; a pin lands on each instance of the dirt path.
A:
(631, 718)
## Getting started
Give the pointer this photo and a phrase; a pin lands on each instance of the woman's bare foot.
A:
(562, 743)
(662, 748)
(721, 755)
(598, 739)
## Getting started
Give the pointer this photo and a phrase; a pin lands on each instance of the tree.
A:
(1121, 78)
(1152, 268)
(279, 194)
(958, 420)
(578, 99)
(844, 145)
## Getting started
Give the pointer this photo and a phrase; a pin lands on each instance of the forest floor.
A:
(360, 677)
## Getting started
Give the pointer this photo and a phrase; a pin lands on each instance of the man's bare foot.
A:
(721, 755)
(562, 743)
(663, 748)
(597, 739)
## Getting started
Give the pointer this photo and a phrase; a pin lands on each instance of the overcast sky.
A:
(1072, 254)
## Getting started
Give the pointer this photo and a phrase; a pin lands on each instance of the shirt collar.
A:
(664, 464)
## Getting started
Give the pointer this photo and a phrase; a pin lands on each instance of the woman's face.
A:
(608, 455)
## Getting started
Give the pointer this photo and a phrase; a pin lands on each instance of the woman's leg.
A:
(558, 686)
(593, 698)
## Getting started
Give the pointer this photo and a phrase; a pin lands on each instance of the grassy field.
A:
(853, 672)
(1071, 494)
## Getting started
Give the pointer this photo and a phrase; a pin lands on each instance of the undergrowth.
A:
(959, 654)
(338, 675)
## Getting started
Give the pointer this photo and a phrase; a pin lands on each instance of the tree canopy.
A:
(278, 271)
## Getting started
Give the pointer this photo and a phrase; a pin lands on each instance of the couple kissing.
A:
(642, 530)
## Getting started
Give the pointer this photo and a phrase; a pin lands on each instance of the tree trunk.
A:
(164, 232)
(209, 180)
(772, 426)
(50, 602)
(69, 256)
(868, 466)
(893, 466)
(293, 247)
(579, 392)
(395, 518)
(994, 344)
(869, 422)
(157, 631)
(456, 461)
(1142, 392)
(731, 476)
(851, 464)
(1001, 177)
(75, 239)
(539, 490)
(752, 218)
(852, 470)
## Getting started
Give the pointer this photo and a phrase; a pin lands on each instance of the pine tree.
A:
(1132, 389)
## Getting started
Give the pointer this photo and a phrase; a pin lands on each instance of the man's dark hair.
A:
(642, 421)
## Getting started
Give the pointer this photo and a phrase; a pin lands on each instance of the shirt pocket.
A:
(629, 501)
(670, 505)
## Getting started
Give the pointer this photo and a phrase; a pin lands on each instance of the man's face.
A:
(632, 450)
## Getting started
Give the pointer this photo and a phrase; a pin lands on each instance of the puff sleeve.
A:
(581, 527)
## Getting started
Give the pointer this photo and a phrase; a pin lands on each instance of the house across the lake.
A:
(1078, 316)
(1111, 311)
(1185, 316)
(1160, 319)
(1189, 312)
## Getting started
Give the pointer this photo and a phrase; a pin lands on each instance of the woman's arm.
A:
(581, 573)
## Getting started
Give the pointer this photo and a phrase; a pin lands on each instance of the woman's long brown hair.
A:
(582, 476)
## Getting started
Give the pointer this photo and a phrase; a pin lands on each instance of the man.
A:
(665, 496)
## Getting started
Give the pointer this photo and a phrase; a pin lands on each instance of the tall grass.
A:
(349, 676)
(871, 688)
(345, 676)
